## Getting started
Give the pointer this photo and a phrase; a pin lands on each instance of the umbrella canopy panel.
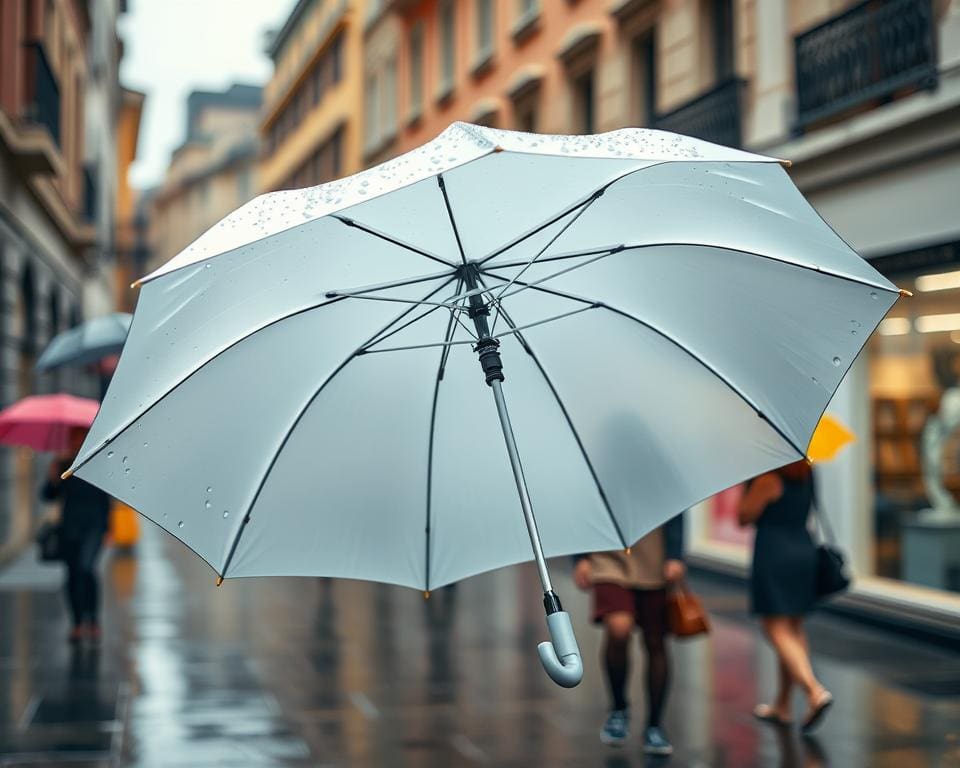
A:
(674, 318)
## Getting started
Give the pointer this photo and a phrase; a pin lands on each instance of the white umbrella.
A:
(299, 393)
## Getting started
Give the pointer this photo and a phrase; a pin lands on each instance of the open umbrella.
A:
(43, 422)
(300, 393)
(86, 343)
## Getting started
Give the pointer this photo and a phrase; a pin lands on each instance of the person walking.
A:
(630, 591)
(783, 584)
(83, 525)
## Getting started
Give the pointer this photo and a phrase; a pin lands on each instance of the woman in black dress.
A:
(83, 525)
(783, 583)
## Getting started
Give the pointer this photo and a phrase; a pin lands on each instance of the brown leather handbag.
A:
(686, 615)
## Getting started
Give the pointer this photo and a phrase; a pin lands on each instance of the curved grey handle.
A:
(561, 656)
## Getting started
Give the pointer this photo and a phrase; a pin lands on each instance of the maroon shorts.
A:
(647, 606)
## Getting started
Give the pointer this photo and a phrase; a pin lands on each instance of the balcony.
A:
(714, 116)
(43, 94)
(865, 56)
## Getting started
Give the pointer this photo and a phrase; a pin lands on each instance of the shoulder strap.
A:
(823, 523)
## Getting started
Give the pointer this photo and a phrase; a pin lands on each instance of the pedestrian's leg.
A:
(791, 652)
(652, 618)
(90, 549)
(73, 591)
(616, 657)
(816, 693)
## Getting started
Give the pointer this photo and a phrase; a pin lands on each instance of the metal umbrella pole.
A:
(560, 655)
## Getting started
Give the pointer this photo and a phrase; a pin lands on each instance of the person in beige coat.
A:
(630, 591)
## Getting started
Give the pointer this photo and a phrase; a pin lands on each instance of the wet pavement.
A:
(301, 672)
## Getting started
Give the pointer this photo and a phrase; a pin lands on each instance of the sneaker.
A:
(655, 742)
(614, 731)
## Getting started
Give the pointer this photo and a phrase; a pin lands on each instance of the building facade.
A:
(862, 97)
(311, 125)
(210, 174)
(58, 79)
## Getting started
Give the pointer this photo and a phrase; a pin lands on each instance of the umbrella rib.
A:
(293, 426)
(347, 221)
(227, 348)
(354, 292)
(561, 257)
(433, 421)
(453, 222)
(677, 343)
(593, 198)
(566, 415)
(624, 247)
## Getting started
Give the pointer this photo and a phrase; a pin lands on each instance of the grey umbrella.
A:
(87, 342)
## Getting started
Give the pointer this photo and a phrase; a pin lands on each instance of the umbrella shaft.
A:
(521, 485)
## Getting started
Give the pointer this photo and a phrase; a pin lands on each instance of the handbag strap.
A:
(823, 522)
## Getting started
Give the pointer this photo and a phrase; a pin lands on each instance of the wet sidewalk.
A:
(303, 672)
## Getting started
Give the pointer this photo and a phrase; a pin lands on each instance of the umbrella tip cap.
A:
(219, 580)
(905, 293)
(786, 163)
(426, 594)
(67, 475)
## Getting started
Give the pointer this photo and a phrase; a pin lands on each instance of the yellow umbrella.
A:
(828, 438)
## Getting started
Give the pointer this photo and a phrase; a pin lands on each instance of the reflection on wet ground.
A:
(298, 672)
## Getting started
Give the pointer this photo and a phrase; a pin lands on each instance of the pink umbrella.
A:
(43, 422)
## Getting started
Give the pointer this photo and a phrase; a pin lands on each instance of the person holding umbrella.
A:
(83, 525)
(59, 424)
(630, 591)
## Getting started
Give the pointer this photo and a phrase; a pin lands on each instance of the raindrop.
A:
(853, 333)
(164, 515)
(145, 445)
(109, 454)
(206, 266)
(124, 459)
(126, 471)
(209, 489)
(873, 294)
(814, 380)
(180, 524)
(207, 504)
(836, 361)
(226, 514)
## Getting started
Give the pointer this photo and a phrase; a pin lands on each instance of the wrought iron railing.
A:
(43, 95)
(714, 116)
(867, 53)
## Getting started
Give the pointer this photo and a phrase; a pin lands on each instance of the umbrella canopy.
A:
(829, 438)
(671, 317)
(87, 342)
(44, 422)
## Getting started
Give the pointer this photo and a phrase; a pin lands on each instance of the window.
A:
(485, 25)
(416, 70)
(914, 377)
(372, 95)
(447, 49)
(583, 108)
(390, 99)
(716, 41)
(645, 78)
(243, 185)
(525, 112)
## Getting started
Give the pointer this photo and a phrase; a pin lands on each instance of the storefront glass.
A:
(914, 361)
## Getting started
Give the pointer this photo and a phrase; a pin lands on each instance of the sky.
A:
(173, 47)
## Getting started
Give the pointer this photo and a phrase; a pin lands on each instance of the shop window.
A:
(915, 404)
